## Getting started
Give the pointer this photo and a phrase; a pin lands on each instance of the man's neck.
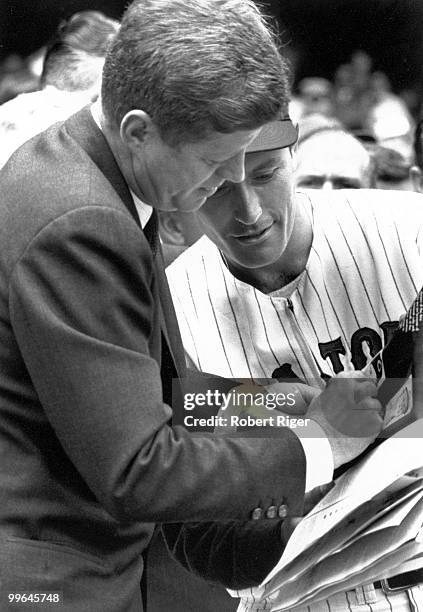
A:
(120, 152)
(292, 262)
(144, 210)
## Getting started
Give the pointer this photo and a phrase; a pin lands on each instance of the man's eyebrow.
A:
(271, 161)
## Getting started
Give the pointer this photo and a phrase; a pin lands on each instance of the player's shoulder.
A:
(192, 260)
(383, 199)
(397, 205)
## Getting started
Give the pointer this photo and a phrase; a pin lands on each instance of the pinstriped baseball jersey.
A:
(364, 270)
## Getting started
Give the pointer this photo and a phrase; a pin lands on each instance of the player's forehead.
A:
(263, 159)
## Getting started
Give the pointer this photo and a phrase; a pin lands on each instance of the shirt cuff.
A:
(318, 453)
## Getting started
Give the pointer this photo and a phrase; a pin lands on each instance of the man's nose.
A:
(233, 169)
(247, 205)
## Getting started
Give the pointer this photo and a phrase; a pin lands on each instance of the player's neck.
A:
(292, 261)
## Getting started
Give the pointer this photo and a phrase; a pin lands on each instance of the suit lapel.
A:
(85, 131)
(170, 324)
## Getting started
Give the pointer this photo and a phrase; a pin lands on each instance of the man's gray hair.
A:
(195, 66)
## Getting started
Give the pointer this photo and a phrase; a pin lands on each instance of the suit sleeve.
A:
(83, 314)
(233, 554)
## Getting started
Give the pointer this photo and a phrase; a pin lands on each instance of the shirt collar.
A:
(144, 210)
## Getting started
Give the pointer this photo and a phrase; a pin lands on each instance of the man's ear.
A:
(416, 176)
(137, 129)
(170, 228)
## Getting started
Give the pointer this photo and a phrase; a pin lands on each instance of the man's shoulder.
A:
(52, 172)
(45, 180)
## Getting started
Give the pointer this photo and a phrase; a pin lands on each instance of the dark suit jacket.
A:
(88, 462)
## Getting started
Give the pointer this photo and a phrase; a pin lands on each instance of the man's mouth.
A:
(253, 235)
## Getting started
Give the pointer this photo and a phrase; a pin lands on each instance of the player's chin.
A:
(254, 257)
(253, 263)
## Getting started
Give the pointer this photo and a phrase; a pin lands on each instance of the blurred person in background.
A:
(388, 117)
(18, 76)
(351, 82)
(393, 170)
(331, 158)
(315, 95)
(70, 78)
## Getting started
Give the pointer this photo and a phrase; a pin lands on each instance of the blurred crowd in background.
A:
(361, 101)
(358, 101)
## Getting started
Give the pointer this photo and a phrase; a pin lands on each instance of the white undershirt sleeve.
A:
(318, 453)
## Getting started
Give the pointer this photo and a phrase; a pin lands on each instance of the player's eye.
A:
(265, 176)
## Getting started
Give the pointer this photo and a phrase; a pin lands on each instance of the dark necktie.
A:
(167, 367)
(151, 231)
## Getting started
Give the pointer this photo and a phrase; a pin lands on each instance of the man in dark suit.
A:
(89, 345)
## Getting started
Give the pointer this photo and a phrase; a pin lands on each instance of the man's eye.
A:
(265, 176)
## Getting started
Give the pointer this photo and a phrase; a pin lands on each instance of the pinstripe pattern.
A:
(223, 344)
(265, 329)
(363, 284)
(295, 353)
(237, 325)
(370, 252)
(410, 600)
(390, 267)
(405, 261)
(185, 324)
(328, 296)
(308, 316)
(363, 270)
(343, 282)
